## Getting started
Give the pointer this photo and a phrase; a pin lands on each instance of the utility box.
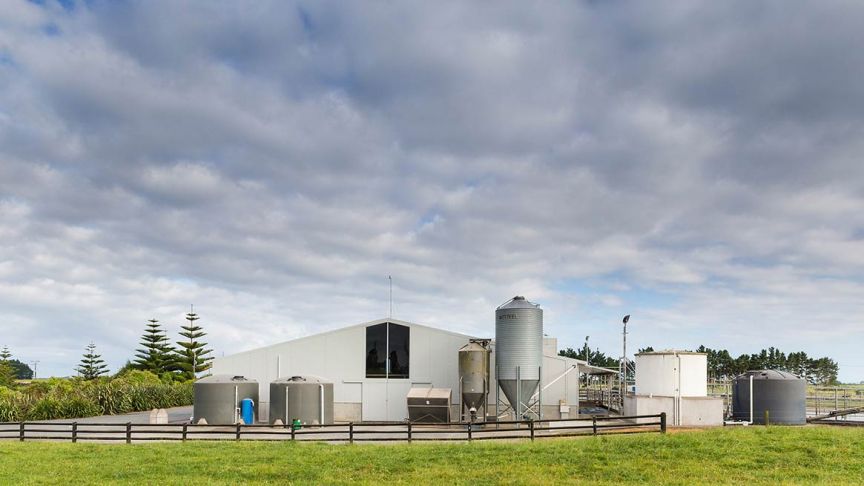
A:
(429, 405)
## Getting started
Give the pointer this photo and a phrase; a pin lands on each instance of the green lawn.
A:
(794, 455)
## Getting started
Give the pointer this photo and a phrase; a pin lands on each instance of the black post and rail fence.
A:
(351, 432)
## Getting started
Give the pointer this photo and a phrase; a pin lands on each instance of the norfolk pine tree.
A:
(7, 374)
(91, 366)
(191, 355)
(156, 355)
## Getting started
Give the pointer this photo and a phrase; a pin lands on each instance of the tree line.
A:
(817, 371)
(722, 366)
(181, 361)
(592, 356)
(178, 362)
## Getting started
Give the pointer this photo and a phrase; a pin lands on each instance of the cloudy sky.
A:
(698, 166)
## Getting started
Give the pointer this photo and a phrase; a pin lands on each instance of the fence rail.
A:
(350, 432)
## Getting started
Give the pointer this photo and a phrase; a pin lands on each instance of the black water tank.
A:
(783, 394)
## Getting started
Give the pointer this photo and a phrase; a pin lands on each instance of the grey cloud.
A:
(274, 162)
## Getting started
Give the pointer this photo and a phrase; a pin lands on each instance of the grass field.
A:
(793, 455)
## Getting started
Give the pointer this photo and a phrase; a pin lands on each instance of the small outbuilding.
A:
(675, 382)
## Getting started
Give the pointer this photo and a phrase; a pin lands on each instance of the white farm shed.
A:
(373, 366)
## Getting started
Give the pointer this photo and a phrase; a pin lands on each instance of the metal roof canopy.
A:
(595, 370)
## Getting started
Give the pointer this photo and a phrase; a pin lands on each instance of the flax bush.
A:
(72, 398)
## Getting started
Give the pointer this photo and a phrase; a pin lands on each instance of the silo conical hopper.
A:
(518, 350)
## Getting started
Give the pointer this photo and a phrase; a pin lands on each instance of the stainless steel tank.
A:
(306, 398)
(782, 394)
(474, 378)
(518, 350)
(217, 398)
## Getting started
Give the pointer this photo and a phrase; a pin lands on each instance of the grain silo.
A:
(519, 353)
(783, 395)
(217, 398)
(474, 379)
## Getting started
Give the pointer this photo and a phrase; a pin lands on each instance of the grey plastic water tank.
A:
(307, 398)
(217, 398)
(782, 394)
(518, 349)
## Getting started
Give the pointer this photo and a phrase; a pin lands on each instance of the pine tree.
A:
(156, 355)
(92, 366)
(7, 374)
(191, 355)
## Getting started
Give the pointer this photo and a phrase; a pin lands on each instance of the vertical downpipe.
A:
(236, 406)
(321, 404)
(751, 399)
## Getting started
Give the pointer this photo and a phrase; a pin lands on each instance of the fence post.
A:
(531, 427)
(128, 432)
(350, 432)
(74, 432)
(662, 422)
(185, 428)
(292, 431)
(470, 438)
(594, 425)
(409, 432)
(237, 436)
(21, 432)
(766, 417)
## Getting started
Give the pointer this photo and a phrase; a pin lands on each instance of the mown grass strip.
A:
(754, 455)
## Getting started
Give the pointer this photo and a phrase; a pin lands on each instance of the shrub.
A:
(49, 408)
(72, 398)
(137, 376)
(12, 405)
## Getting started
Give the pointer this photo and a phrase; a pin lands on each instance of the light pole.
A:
(624, 363)
(587, 356)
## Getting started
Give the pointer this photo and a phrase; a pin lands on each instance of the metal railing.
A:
(350, 432)
(608, 399)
